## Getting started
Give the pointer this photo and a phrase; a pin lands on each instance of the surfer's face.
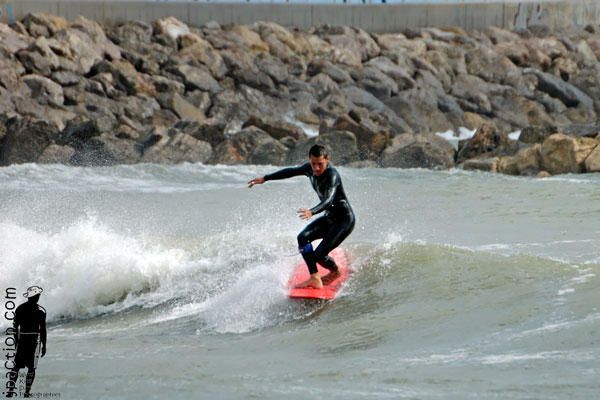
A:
(319, 164)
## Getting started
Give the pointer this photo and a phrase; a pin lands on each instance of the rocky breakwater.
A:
(81, 93)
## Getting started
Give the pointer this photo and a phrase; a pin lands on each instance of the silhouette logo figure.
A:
(30, 338)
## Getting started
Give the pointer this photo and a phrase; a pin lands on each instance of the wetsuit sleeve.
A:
(287, 173)
(332, 184)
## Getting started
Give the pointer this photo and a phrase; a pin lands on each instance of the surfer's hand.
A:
(256, 181)
(43, 350)
(305, 213)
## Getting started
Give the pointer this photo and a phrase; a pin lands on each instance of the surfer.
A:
(30, 332)
(336, 223)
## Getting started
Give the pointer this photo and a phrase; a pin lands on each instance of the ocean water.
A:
(169, 282)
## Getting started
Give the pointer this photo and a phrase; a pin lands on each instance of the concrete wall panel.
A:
(370, 17)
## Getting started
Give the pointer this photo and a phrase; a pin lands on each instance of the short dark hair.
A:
(318, 150)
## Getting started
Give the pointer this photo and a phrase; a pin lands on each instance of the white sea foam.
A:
(514, 135)
(309, 130)
(86, 268)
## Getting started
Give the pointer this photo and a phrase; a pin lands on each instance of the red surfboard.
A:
(329, 289)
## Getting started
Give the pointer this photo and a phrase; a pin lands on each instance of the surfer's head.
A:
(319, 159)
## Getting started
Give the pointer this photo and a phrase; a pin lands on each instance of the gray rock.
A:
(556, 87)
(166, 85)
(536, 134)
(12, 41)
(140, 107)
(211, 132)
(269, 153)
(39, 57)
(486, 142)
(172, 147)
(131, 33)
(43, 90)
(562, 154)
(42, 24)
(323, 85)
(273, 67)
(66, 78)
(419, 151)
(198, 78)
(371, 138)
(55, 154)
(342, 148)
(276, 128)
(104, 150)
(362, 98)
(199, 99)
(77, 132)
(418, 108)
(25, 140)
(486, 165)
(318, 66)
(402, 76)
(55, 117)
(240, 147)
(181, 107)
(10, 72)
(378, 83)
(196, 50)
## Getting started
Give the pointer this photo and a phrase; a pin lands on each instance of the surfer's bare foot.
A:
(314, 281)
(330, 277)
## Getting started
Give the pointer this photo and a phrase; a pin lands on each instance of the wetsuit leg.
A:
(334, 236)
(315, 230)
(29, 380)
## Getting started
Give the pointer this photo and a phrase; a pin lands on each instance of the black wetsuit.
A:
(30, 328)
(30, 323)
(334, 226)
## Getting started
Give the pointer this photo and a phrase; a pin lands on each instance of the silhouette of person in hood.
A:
(30, 337)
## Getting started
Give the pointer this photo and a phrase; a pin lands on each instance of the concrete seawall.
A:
(370, 17)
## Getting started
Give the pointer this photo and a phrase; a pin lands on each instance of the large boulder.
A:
(319, 65)
(419, 151)
(536, 134)
(56, 154)
(42, 24)
(342, 148)
(181, 107)
(173, 146)
(25, 140)
(528, 161)
(251, 145)
(250, 38)
(486, 142)
(171, 28)
(371, 138)
(570, 95)
(209, 131)
(277, 128)
(401, 75)
(197, 78)
(39, 57)
(195, 49)
(106, 149)
(562, 154)
(377, 83)
(592, 162)
(12, 41)
(485, 165)
(43, 90)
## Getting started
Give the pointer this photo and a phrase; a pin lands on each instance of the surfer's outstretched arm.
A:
(281, 174)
